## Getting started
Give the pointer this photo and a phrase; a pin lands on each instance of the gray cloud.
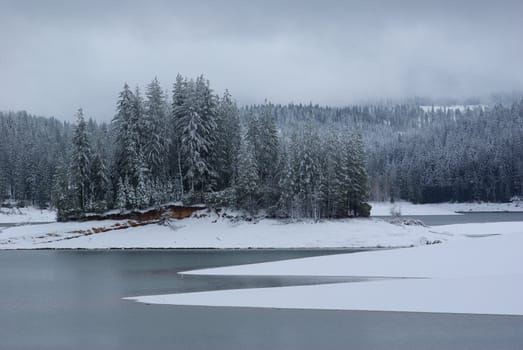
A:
(57, 56)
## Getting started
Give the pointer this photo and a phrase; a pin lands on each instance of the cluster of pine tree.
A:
(429, 154)
(289, 160)
(475, 155)
(31, 148)
(195, 149)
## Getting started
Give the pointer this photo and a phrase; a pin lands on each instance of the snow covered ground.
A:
(26, 215)
(467, 275)
(407, 208)
(215, 232)
(480, 295)
(459, 256)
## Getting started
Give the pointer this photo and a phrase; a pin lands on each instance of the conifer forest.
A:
(195, 146)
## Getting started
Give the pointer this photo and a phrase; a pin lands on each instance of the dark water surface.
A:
(466, 218)
(72, 300)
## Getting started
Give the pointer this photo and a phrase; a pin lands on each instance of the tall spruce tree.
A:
(99, 181)
(351, 177)
(125, 135)
(329, 183)
(130, 164)
(194, 112)
(228, 138)
(247, 183)
(206, 103)
(156, 140)
(179, 111)
(81, 162)
(262, 134)
(62, 196)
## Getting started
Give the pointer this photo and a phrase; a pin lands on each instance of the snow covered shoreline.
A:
(219, 233)
(26, 215)
(469, 275)
(406, 208)
(216, 232)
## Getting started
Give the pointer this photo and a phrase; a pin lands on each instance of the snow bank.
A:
(26, 215)
(467, 275)
(215, 232)
(481, 295)
(407, 208)
(458, 257)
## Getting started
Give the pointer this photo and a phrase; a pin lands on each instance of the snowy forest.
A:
(194, 146)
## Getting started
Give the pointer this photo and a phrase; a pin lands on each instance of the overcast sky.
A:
(57, 56)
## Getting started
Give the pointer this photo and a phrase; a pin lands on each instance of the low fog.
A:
(58, 56)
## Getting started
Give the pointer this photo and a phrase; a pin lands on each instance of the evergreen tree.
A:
(360, 190)
(99, 182)
(122, 194)
(62, 197)
(130, 162)
(125, 129)
(351, 177)
(247, 183)
(142, 193)
(329, 182)
(194, 110)
(157, 140)
(179, 111)
(286, 202)
(305, 173)
(262, 134)
(206, 103)
(228, 139)
(81, 161)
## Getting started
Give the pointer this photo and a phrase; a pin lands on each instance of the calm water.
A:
(72, 300)
(434, 220)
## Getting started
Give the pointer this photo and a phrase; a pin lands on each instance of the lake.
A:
(72, 300)
(466, 218)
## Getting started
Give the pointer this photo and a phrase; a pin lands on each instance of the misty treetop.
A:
(192, 145)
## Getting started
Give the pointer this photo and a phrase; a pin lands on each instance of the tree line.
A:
(291, 160)
(194, 149)
(474, 155)
(428, 154)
